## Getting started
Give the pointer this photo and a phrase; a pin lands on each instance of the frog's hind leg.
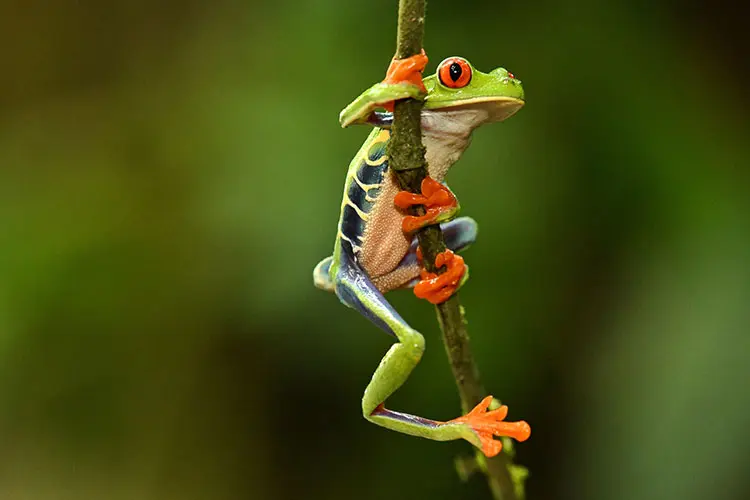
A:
(355, 289)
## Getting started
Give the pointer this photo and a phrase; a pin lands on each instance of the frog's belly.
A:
(384, 243)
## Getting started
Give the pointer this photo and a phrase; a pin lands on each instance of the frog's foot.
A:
(487, 424)
(403, 80)
(406, 71)
(437, 200)
(438, 288)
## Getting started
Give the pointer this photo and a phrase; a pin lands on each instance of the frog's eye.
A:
(454, 72)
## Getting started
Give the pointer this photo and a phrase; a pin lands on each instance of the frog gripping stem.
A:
(439, 203)
(406, 156)
(408, 70)
(437, 288)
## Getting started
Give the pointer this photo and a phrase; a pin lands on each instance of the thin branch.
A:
(407, 160)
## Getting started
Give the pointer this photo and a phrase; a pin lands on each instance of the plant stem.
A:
(407, 160)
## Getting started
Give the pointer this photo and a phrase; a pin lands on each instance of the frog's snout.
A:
(509, 80)
(505, 76)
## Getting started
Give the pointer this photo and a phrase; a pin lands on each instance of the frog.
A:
(376, 250)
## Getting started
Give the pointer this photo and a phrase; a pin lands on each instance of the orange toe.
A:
(487, 424)
(408, 70)
(413, 223)
(436, 199)
(405, 199)
(437, 288)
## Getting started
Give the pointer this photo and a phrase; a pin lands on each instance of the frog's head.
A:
(457, 86)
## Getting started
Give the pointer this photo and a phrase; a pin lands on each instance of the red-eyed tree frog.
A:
(375, 249)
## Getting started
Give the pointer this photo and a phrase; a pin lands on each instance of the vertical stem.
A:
(407, 160)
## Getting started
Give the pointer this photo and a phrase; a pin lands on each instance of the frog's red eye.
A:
(454, 72)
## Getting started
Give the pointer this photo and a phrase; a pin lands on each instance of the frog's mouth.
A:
(497, 108)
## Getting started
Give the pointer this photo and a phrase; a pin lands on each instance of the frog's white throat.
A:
(446, 135)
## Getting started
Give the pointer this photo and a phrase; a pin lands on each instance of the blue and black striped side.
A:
(370, 172)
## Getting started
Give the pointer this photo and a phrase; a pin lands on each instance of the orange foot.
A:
(436, 198)
(407, 70)
(490, 423)
(438, 288)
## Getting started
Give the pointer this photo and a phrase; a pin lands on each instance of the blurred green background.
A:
(170, 173)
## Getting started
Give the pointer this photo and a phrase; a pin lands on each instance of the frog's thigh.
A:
(458, 233)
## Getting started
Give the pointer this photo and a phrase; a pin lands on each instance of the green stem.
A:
(407, 160)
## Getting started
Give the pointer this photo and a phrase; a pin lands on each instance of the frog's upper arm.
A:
(378, 96)
(403, 80)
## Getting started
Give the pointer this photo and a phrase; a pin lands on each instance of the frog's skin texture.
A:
(372, 255)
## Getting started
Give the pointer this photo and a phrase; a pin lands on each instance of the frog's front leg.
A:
(403, 80)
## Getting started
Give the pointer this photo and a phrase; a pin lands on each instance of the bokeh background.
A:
(170, 173)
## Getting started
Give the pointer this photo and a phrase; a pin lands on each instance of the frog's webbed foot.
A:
(486, 424)
(438, 288)
(403, 80)
(439, 202)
